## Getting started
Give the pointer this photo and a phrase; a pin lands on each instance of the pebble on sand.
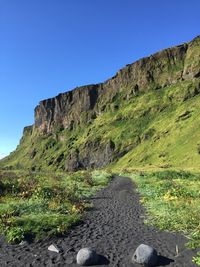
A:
(87, 257)
(53, 248)
(145, 255)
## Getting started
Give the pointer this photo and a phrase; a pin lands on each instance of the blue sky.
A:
(51, 46)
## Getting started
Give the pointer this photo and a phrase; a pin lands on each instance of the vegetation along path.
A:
(114, 227)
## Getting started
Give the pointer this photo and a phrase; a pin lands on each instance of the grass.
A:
(172, 200)
(36, 205)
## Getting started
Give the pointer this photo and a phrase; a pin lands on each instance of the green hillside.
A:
(159, 128)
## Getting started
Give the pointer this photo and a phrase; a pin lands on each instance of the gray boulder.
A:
(87, 257)
(145, 255)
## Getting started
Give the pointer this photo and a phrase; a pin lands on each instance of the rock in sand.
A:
(145, 255)
(53, 248)
(87, 257)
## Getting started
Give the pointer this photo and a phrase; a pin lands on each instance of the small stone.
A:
(145, 255)
(87, 257)
(53, 248)
(23, 243)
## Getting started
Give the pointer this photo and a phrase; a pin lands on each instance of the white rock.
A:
(53, 248)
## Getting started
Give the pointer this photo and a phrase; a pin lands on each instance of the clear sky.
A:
(51, 46)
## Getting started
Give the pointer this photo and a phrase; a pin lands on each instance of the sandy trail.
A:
(114, 227)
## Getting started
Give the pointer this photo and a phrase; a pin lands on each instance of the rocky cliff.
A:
(154, 72)
(67, 122)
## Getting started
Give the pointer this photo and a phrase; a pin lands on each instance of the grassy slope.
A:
(170, 132)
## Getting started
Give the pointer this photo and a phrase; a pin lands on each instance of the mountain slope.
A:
(148, 114)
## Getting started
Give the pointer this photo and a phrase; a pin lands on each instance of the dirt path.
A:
(114, 227)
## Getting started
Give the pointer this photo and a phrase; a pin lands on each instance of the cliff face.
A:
(77, 109)
(154, 72)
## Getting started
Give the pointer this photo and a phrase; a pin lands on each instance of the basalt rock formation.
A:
(71, 131)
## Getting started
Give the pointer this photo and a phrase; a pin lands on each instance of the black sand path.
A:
(114, 227)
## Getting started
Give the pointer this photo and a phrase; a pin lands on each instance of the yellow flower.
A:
(168, 197)
(78, 208)
(74, 208)
(53, 205)
(142, 200)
